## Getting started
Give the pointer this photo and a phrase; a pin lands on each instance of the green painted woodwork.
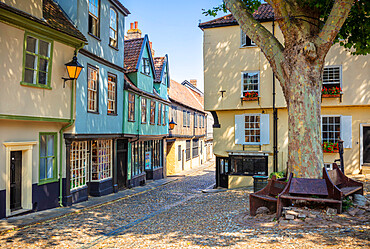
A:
(50, 60)
(33, 118)
(55, 168)
(26, 24)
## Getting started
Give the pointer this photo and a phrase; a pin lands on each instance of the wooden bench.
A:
(307, 189)
(266, 197)
(344, 184)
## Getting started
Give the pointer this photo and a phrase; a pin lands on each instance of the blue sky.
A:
(172, 26)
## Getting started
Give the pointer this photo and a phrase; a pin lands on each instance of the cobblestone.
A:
(180, 215)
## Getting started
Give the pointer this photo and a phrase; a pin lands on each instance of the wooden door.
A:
(366, 144)
(122, 163)
(15, 180)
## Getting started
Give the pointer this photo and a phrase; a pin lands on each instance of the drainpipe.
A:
(71, 122)
(275, 117)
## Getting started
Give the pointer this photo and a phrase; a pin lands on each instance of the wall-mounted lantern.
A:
(172, 124)
(73, 68)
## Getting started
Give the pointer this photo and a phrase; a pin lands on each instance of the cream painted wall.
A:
(31, 101)
(33, 7)
(224, 61)
(20, 131)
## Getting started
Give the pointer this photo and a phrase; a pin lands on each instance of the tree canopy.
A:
(354, 34)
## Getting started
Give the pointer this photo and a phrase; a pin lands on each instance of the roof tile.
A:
(185, 96)
(264, 13)
(132, 53)
(158, 64)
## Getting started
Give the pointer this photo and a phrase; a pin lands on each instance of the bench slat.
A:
(309, 199)
(265, 197)
(349, 190)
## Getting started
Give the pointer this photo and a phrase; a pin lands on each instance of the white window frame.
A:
(243, 40)
(340, 75)
(145, 67)
(242, 82)
(264, 129)
(345, 129)
(79, 163)
(102, 159)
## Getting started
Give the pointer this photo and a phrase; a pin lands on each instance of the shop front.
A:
(89, 169)
(146, 161)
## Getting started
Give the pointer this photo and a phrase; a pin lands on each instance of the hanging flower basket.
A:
(250, 96)
(330, 147)
(333, 92)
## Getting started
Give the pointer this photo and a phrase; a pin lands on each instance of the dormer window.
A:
(94, 17)
(145, 66)
(245, 41)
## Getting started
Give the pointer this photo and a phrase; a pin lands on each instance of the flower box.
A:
(250, 98)
(330, 147)
(331, 95)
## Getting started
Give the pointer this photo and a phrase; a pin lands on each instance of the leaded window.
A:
(143, 110)
(145, 69)
(37, 61)
(48, 151)
(94, 16)
(159, 114)
(152, 112)
(131, 107)
(92, 89)
(78, 163)
(188, 150)
(113, 24)
(252, 129)
(101, 160)
(112, 94)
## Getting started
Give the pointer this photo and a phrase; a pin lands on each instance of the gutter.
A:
(275, 117)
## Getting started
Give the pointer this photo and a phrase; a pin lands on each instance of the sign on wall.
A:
(148, 157)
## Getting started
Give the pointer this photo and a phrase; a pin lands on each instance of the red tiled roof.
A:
(53, 17)
(182, 94)
(264, 13)
(158, 64)
(132, 52)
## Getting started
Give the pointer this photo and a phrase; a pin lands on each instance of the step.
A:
(365, 169)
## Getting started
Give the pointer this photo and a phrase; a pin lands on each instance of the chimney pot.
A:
(132, 25)
(193, 82)
(135, 24)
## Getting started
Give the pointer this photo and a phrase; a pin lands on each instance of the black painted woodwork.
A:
(15, 180)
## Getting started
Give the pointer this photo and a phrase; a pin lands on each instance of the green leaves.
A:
(250, 5)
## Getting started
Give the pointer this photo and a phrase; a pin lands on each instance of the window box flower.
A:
(333, 92)
(250, 96)
(330, 147)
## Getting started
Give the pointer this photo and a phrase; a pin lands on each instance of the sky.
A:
(172, 26)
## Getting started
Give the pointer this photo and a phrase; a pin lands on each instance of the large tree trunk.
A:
(303, 95)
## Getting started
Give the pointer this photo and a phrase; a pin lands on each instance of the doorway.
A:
(366, 145)
(15, 180)
(122, 146)
(183, 160)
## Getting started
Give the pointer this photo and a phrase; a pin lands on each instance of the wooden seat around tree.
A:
(266, 197)
(307, 189)
(344, 184)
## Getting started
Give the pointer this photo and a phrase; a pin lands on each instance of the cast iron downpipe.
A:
(275, 117)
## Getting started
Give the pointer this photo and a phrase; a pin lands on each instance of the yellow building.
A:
(187, 142)
(36, 40)
(239, 93)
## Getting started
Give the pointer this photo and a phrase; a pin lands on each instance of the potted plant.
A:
(333, 92)
(250, 96)
(330, 147)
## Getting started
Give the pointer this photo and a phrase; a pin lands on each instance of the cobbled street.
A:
(179, 215)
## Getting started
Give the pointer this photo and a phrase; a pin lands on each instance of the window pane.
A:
(42, 78)
(50, 145)
(43, 145)
(31, 44)
(50, 169)
(44, 48)
(29, 76)
(30, 61)
(42, 168)
(43, 65)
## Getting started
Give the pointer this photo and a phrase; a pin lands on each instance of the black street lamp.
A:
(172, 124)
(73, 68)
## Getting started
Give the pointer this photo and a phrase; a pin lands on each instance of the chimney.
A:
(151, 49)
(193, 82)
(133, 32)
